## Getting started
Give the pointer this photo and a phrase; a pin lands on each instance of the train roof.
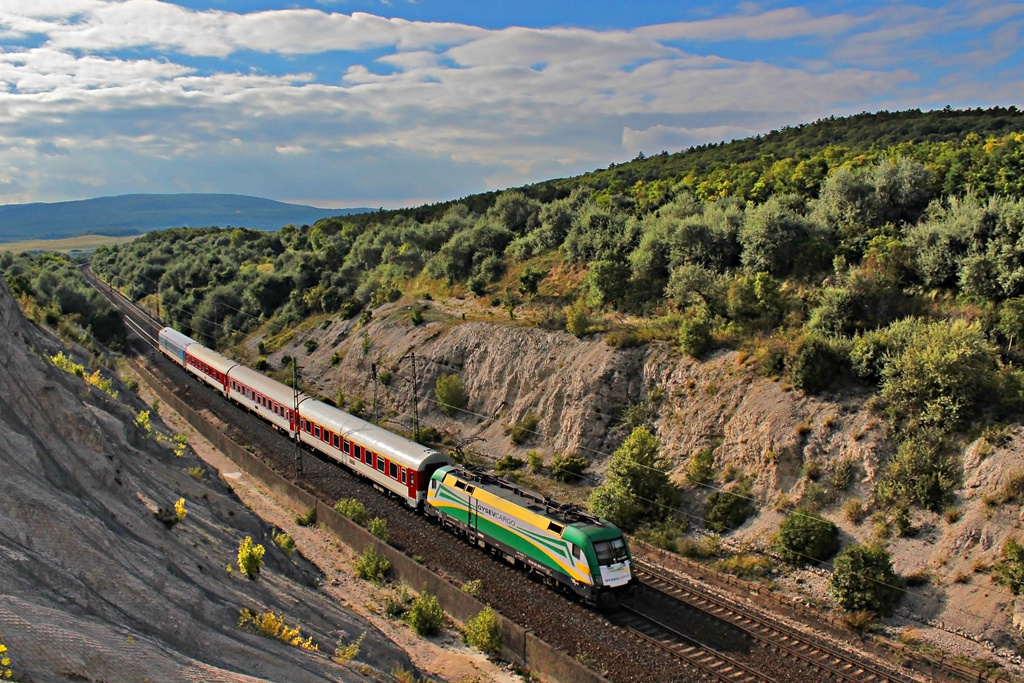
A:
(269, 387)
(563, 513)
(211, 357)
(379, 440)
(177, 338)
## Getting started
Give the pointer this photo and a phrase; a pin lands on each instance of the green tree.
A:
(1011, 320)
(939, 378)
(804, 538)
(451, 395)
(695, 332)
(637, 489)
(1010, 570)
(863, 580)
(770, 237)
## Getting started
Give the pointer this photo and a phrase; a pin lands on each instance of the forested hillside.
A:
(826, 259)
(875, 261)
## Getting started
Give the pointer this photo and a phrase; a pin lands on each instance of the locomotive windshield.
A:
(611, 552)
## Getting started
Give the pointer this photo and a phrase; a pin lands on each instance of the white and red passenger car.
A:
(391, 462)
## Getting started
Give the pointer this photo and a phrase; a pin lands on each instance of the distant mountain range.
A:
(132, 214)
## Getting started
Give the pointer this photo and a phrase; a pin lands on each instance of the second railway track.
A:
(809, 659)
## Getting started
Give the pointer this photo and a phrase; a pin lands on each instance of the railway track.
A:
(695, 653)
(827, 661)
(816, 661)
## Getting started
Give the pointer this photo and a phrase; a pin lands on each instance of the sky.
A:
(367, 103)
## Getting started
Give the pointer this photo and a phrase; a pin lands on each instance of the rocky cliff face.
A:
(579, 388)
(94, 587)
(756, 426)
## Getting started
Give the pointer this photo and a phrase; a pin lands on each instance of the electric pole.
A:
(415, 394)
(298, 423)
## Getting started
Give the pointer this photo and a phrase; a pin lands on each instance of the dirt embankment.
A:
(94, 587)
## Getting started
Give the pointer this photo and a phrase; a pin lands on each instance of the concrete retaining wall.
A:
(520, 646)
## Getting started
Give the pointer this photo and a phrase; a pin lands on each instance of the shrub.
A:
(700, 548)
(353, 509)
(396, 603)
(142, 422)
(509, 463)
(920, 474)
(524, 429)
(804, 538)
(842, 476)
(1010, 570)
(855, 511)
(473, 587)
(250, 557)
(179, 509)
(700, 470)
(196, 472)
(357, 407)
(695, 333)
(426, 616)
(816, 364)
(451, 396)
(863, 580)
(346, 653)
(372, 566)
(270, 625)
(5, 662)
(285, 542)
(664, 535)
(311, 345)
(378, 526)
(568, 468)
(308, 518)
(745, 565)
(576, 321)
(727, 510)
(534, 462)
(261, 364)
(484, 631)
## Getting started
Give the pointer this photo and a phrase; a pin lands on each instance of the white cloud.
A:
(446, 110)
(777, 24)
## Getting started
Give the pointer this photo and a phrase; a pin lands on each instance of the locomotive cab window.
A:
(433, 484)
(576, 552)
(610, 552)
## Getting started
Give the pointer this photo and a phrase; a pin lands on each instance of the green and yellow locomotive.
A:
(566, 545)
